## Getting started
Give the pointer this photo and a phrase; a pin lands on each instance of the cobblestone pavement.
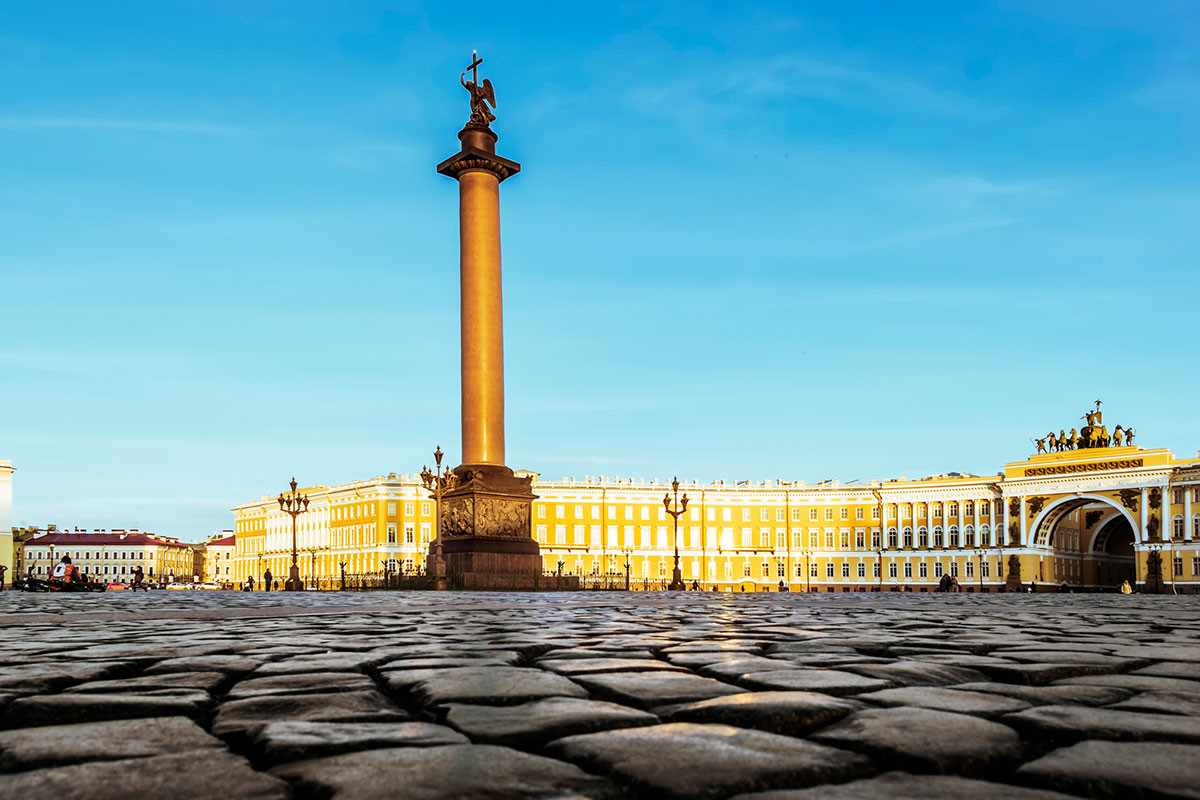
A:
(458, 695)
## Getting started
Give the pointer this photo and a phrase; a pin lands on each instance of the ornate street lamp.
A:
(293, 504)
(979, 554)
(436, 482)
(680, 506)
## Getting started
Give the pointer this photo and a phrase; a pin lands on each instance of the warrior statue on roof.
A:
(481, 94)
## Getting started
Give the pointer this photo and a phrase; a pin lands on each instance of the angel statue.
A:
(481, 94)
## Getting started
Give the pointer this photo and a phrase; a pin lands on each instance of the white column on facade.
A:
(1003, 537)
(1187, 512)
(1024, 523)
(992, 518)
(1143, 535)
(975, 520)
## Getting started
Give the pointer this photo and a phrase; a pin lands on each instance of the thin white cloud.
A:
(153, 126)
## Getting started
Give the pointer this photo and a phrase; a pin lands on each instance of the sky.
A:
(792, 241)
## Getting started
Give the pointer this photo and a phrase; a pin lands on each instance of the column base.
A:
(487, 540)
(293, 583)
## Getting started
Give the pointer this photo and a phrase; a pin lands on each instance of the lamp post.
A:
(293, 504)
(979, 553)
(627, 553)
(882, 533)
(436, 482)
(679, 506)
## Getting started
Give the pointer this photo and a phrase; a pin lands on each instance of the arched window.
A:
(954, 536)
(908, 537)
(985, 536)
(922, 537)
(1196, 527)
(937, 537)
(892, 538)
(1177, 528)
(969, 536)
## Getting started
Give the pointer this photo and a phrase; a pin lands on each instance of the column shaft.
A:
(481, 319)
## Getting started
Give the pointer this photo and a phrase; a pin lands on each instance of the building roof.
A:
(102, 537)
(228, 541)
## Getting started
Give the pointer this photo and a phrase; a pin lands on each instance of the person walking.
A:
(267, 577)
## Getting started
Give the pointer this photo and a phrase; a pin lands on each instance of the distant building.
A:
(112, 555)
(218, 558)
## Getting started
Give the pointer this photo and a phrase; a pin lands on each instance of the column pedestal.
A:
(486, 534)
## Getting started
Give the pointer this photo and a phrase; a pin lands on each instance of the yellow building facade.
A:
(110, 555)
(1086, 518)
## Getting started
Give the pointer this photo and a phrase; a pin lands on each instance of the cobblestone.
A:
(230, 694)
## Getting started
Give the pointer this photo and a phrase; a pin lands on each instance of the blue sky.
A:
(803, 240)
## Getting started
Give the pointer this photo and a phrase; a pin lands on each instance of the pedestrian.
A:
(267, 576)
(1032, 587)
(944, 583)
(3, 569)
(1126, 588)
(277, 585)
(695, 586)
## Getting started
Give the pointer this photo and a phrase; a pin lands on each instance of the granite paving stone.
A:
(491, 686)
(829, 681)
(301, 683)
(1187, 670)
(902, 786)
(977, 704)
(916, 673)
(587, 666)
(235, 666)
(789, 713)
(719, 759)
(56, 745)
(1136, 683)
(1066, 694)
(652, 689)
(63, 709)
(1119, 770)
(1060, 724)
(280, 742)
(193, 775)
(196, 681)
(533, 724)
(1161, 703)
(441, 773)
(240, 720)
(926, 740)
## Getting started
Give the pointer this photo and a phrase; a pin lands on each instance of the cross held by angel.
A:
(481, 93)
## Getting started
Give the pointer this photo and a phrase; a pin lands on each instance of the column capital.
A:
(478, 153)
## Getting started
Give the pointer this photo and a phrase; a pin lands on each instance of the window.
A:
(969, 537)
(780, 516)
(1177, 528)
(845, 538)
(728, 570)
(628, 512)
(780, 570)
(766, 570)
(862, 570)
(812, 570)
(968, 508)
(812, 515)
(764, 539)
(985, 536)
(828, 540)
(845, 569)
(907, 570)
(391, 533)
(953, 512)
(645, 513)
(408, 509)
(799, 570)
(937, 569)
(1177, 496)
(746, 570)
(409, 533)
(425, 509)
(874, 512)
(764, 515)
(908, 537)
(954, 537)
(985, 507)
(1196, 526)
(923, 570)
(1178, 565)
(954, 569)
(541, 534)
(727, 515)
(795, 515)
(892, 538)
(858, 512)
(829, 514)
(392, 508)
(860, 540)
(1195, 566)
(845, 512)
(829, 570)
(970, 569)
(560, 535)
(923, 538)
(892, 570)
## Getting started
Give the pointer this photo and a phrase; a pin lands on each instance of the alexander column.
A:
(486, 537)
